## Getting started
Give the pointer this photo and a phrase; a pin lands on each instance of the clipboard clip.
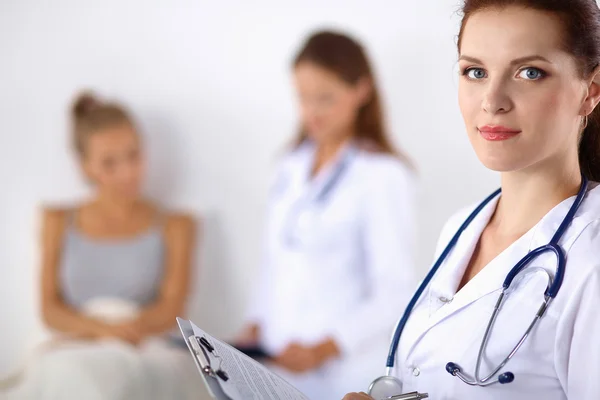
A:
(200, 345)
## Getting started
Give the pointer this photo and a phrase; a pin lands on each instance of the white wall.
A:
(210, 84)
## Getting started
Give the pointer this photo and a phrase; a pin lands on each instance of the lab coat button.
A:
(416, 371)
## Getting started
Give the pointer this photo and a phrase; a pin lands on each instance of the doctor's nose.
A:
(496, 99)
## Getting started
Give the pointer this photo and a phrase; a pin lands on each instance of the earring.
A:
(585, 121)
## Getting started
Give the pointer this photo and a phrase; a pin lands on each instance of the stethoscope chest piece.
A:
(384, 387)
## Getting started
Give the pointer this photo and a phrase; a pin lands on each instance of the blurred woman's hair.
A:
(90, 115)
(346, 58)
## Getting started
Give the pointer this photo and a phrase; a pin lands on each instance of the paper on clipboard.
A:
(246, 379)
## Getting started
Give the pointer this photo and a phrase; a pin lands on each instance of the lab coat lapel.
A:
(487, 281)
(442, 288)
(315, 185)
(443, 299)
(549, 225)
(491, 278)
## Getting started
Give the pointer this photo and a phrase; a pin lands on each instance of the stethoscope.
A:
(388, 385)
(302, 212)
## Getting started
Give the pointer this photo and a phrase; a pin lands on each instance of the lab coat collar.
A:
(444, 300)
(550, 223)
(314, 185)
(490, 279)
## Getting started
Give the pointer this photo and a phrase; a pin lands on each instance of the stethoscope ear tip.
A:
(452, 368)
(506, 377)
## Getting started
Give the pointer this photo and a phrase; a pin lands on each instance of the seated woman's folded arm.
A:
(159, 316)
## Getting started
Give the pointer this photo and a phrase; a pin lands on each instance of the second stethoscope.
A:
(302, 214)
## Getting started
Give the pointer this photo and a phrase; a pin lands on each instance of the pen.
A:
(409, 396)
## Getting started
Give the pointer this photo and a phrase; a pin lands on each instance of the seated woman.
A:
(115, 274)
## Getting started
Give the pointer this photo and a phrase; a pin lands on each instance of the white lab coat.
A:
(350, 273)
(561, 358)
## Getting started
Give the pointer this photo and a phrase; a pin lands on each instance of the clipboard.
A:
(229, 374)
(206, 359)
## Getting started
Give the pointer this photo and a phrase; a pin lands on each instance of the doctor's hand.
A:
(299, 358)
(357, 396)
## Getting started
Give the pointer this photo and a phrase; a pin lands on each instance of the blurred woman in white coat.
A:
(528, 92)
(340, 231)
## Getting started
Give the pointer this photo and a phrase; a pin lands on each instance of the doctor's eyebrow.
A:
(516, 61)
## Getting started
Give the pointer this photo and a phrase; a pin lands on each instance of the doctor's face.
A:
(329, 106)
(520, 93)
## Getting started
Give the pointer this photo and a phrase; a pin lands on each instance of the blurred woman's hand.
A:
(299, 358)
(130, 332)
(248, 337)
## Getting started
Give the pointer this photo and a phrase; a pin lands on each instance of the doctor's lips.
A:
(496, 133)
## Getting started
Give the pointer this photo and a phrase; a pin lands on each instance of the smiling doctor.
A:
(338, 262)
(510, 308)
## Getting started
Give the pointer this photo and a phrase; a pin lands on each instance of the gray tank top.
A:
(129, 269)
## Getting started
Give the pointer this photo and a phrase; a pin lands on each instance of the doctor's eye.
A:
(531, 74)
(474, 73)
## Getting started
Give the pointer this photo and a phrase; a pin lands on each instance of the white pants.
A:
(113, 370)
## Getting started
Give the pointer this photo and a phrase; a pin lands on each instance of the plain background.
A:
(210, 84)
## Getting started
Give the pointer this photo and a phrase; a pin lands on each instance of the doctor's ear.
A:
(364, 91)
(593, 93)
